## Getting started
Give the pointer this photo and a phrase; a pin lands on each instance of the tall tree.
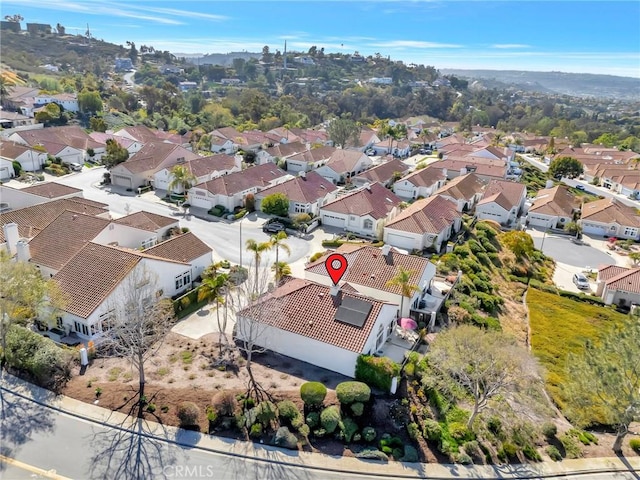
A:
(90, 102)
(403, 281)
(604, 381)
(182, 179)
(277, 242)
(281, 269)
(484, 365)
(114, 154)
(258, 249)
(213, 289)
(565, 167)
(138, 324)
(342, 131)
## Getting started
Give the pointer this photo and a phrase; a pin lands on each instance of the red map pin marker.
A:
(336, 265)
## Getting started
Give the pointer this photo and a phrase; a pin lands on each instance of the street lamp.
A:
(241, 220)
(544, 235)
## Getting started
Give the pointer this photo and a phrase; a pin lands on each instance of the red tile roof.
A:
(429, 215)
(206, 165)
(463, 187)
(315, 154)
(383, 173)
(556, 201)
(258, 176)
(345, 161)
(505, 193)
(425, 177)
(374, 200)
(51, 190)
(151, 222)
(308, 309)
(182, 248)
(609, 210)
(307, 189)
(627, 280)
(73, 136)
(151, 156)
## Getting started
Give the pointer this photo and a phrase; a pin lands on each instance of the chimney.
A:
(302, 174)
(386, 249)
(11, 236)
(23, 251)
(336, 294)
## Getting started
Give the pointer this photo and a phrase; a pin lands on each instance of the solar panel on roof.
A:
(353, 311)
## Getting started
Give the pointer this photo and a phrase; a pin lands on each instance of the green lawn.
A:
(559, 326)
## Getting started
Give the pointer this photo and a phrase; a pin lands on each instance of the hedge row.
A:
(376, 372)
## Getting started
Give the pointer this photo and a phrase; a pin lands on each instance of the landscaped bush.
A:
(256, 430)
(376, 371)
(432, 430)
(549, 429)
(27, 351)
(634, 443)
(313, 419)
(188, 414)
(224, 403)
(413, 430)
(315, 256)
(531, 453)
(313, 393)
(351, 392)
(507, 451)
(460, 432)
(462, 458)
(266, 412)
(348, 428)
(329, 418)
(410, 454)
(284, 438)
(372, 454)
(357, 408)
(554, 453)
(287, 410)
(369, 434)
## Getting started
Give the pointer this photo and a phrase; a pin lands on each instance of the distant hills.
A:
(575, 84)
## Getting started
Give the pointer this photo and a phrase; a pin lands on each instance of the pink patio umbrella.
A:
(408, 323)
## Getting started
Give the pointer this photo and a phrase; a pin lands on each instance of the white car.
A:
(581, 281)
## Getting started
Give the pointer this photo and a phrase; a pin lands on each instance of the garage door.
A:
(201, 202)
(401, 241)
(594, 230)
(121, 181)
(332, 220)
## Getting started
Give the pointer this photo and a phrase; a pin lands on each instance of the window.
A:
(80, 328)
(149, 242)
(368, 224)
(183, 280)
(59, 323)
(352, 218)
(380, 337)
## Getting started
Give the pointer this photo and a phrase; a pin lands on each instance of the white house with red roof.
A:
(619, 285)
(30, 159)
(203, 169)
(344, 164)
(425, 224)
(363, 211)
(309, 159)
(502, 202)
(323, 326)
(421, 183)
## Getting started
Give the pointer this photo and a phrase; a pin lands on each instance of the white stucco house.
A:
(6, 169)
(552, 208)
(203, 168)
(30, 159)
(323, 326)
(465, 191)
(618, 285)
(425, 224)
(383, 173)
(363, 211)
(502, 202)
(309, 159)
(421, 183)
(610, 218)
(344, 164)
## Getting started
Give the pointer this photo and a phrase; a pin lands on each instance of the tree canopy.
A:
(342, 131)
(565, 167)
(115, 154)
(520, 243)
(276, 204)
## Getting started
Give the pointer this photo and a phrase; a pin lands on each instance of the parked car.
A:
(76, 167)
(581, 281)
(370, 152)
(273, 227)
(580, 187)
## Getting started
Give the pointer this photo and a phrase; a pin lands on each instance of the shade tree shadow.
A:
(267, 467)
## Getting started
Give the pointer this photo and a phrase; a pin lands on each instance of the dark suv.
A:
(273, 227)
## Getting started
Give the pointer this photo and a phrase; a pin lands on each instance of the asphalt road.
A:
(222, 237)
(561, 249)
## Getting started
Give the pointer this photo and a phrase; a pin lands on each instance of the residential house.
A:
(495, 153)
(186, 248)
(6, 169)
(132, 146)
(203, 168)
(610, 218)
(231, 190)
(306, 193)
(139, 169)
(19, 97)
(464, 191)
(370, 269)
(385, 173)
(16, 198)
(286, 135)
(223, 145)
(281, 151)
(143, 134)
(30, 159)
(364, 211)
(312, 137)
(157, 226)
(9, 120)
(68, 102)
(502, 202)
(344, 164)
(421, 183)
(552, 208)
(323, 326)
(309, 159)
(618, 285)
(484, 168)
(425, 224)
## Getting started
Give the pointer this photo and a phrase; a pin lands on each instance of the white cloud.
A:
(509, 45)
(183, 13)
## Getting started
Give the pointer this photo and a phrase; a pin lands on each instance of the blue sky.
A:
(572, 36)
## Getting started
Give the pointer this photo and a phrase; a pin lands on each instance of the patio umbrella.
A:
(408, 323)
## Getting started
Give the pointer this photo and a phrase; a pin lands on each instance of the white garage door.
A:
(332, 220)
(201, 202)
(594, 230)
(121, 181)
(402, 241)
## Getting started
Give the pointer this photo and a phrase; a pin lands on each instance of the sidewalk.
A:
(316, 461)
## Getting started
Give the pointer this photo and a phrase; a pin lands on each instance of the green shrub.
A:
(634, 443)
(320, 432)
(413, 430)
(304, 430)
(460, 432)
(369, 434)
(313, 393)
(212, 416)
(463, 459)
(571, 447)
(288, 411)
(351, 392)
(495, 426)
(372, 454)
(387, 450)
(313, 419)
(457, 414)
(329, 418)
(357, 408)
(266, 412)
(531, 453)
(432, 430)
(549, 429)
(472, 447)
(284, 438)
(410, 454)
(376, 372)
(315, 256)
(256, 430)
(507, 451)
(348, 428)
(554, 453)
(397, 453)
(188, 414)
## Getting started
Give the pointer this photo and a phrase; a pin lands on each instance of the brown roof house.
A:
(343, 165)
(552, 208)
(385, 173)
(16, 198)
(309, 159)
(502, 202)
(230, 190)
(139, 169)
(203, 168)
(328, 327)
(610, 218)
(364, 211)
(425, 224)
(619, 285)
(465, 191)
(306, 193)
(30, 159)
(421, 183)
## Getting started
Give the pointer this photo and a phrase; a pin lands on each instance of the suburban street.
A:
(224, 238)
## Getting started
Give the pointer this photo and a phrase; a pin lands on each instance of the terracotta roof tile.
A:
(343, 161)
(608, 210)
(556, 201)
(183, 248)
(307, 189)
(429, 215)
(51, 190)
(463, 187)
(627, 280)
(315, 154)
(507, 194)
(152, 222)
(151, 156)
(375, 200)
(425, 177)
(383, 173)
(258, 176)
(206, 165)
(308, 309)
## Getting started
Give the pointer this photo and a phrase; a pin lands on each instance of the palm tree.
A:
(402, 279)
(276, 242)
(281, 269)
(182, 179)
(257, 249)
(211, 290)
